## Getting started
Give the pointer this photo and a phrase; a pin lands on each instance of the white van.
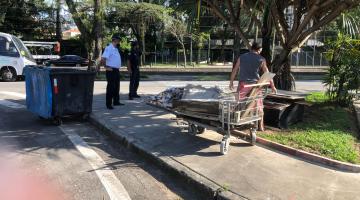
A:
(14, 56)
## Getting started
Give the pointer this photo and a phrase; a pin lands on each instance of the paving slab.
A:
(250, 172)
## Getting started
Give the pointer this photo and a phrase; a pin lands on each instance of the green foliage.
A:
(177, 28)
(317, 97)
(326, 131)
(136, 13)
(343, 76)
(200, 39)
(125, 44)
(30, 19)
(348, 23)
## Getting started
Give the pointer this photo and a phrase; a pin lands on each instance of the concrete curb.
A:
(338, 165)
(211, 189)
(356, 106)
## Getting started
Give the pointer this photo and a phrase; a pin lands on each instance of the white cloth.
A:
(112, 56)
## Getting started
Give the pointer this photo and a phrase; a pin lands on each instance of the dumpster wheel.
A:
(57, 121)
(85, 117)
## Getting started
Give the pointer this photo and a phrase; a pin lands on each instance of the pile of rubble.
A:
(189, 93)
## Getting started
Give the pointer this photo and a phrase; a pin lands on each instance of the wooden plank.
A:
(285, 97)
(265, 78)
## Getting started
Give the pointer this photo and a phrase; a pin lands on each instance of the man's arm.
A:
(102, 61)
(265, 69)
(233, 73)
(105, 56)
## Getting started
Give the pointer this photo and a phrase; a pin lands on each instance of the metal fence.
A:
(308, 59)
(316, 59)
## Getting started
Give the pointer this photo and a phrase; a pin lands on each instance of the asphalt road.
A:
(78, 160)
(74, 158)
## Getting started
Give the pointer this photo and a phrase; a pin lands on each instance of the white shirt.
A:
(112, 56)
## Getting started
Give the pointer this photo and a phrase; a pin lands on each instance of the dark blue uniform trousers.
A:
(113, 87)
(134, 82)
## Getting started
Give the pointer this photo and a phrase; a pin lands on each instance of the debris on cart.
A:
(171, 96)
(165, 99)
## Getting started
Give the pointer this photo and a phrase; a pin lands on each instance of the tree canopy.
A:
(32, 19)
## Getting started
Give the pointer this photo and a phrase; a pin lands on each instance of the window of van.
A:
(23, 50)
(7, 48)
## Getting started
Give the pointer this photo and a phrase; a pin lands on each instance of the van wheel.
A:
(8, 74)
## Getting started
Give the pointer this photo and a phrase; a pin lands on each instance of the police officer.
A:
(111, 59)
(133, 68)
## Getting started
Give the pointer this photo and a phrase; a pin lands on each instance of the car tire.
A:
(8, 74)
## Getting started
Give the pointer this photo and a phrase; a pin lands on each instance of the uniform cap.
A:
(115, 37)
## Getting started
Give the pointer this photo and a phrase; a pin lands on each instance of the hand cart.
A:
(233, 114)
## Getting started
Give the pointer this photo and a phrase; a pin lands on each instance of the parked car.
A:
(68, 61)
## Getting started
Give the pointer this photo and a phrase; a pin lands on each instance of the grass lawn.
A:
(327, 130)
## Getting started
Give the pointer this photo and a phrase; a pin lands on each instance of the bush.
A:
(343, 76)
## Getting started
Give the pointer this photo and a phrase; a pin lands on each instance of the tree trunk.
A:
(191, 51)
(266, 45)
(266, 31)
(184, 52)
(209, 51)
(142, 35)
(58, 21)
(198, 58)
(87, 45)
(236, 47)
(284, 79)
(97, 30)
(223, 42)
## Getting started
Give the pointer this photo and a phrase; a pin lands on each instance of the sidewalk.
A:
(249, 172)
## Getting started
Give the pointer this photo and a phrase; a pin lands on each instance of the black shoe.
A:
(131, 98)
(136, 96)
(110, 107)
(119, 104)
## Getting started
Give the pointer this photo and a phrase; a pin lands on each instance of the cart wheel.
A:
(85, 117)
(253, 136)
(57, 121)
(224, 146)
(200, 130)
(192, 129)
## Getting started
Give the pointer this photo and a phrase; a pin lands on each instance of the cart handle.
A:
(256, 85)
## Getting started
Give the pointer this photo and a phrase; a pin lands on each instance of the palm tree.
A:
(348, 23)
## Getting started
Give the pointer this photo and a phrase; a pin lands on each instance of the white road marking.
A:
(113, 186)
(10, 104)
(15, 94)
